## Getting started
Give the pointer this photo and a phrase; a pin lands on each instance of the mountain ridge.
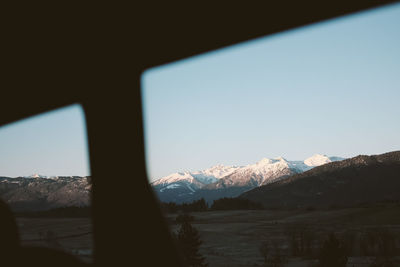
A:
(350, 182)
(34, 194)
(232, 180)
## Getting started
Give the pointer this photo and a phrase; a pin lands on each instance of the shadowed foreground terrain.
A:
(72, 235)
(234, 238)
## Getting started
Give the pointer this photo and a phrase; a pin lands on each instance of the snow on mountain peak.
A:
(217, 171)
(202, 177)
(36, 175)
(265, 167)
(317, 160)
(265, 161)
(217, 167)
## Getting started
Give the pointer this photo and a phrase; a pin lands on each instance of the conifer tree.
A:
(333, 253)
(188, 240)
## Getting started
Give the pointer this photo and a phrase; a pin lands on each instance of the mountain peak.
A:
(36, 175)
(217, 171)
(267, 161)
(281, 159)
(264, 161)
(216, 167)
(317, 160)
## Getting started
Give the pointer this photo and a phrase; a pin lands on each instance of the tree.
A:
(236, 203)
(385, 247)
(333, 253)
(185, 217)
(188, 241)
(278, 258)
(349, 241)
(265, 251)
(272, 254)
(196, 205)
(301, 240)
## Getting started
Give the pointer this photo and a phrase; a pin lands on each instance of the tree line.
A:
(62, 212)
(219, 204)
(379, 244)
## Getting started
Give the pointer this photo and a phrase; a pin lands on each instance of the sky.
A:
(331, 88)
(51, 144)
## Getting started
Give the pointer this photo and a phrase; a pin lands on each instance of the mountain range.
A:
(231, 181)
(318, 181)
(357, 181)
(37, 192)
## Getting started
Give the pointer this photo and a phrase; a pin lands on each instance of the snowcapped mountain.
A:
(183, 183)
(318, 160)
(361, 180)
(262, 172)
(231, 180)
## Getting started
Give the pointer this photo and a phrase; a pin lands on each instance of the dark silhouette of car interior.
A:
(95, 57)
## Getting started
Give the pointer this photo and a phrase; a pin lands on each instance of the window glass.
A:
(45, 180)
(283, 146)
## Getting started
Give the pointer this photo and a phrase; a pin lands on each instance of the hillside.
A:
(33, 194)
(351, 182)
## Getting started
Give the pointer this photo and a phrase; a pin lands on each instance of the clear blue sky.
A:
(53, 143)
(331, 88)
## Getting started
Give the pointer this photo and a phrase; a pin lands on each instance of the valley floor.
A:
(72, 235)
(234, 238)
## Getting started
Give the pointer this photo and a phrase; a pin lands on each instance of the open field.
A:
(233, 238)
(73, 235)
